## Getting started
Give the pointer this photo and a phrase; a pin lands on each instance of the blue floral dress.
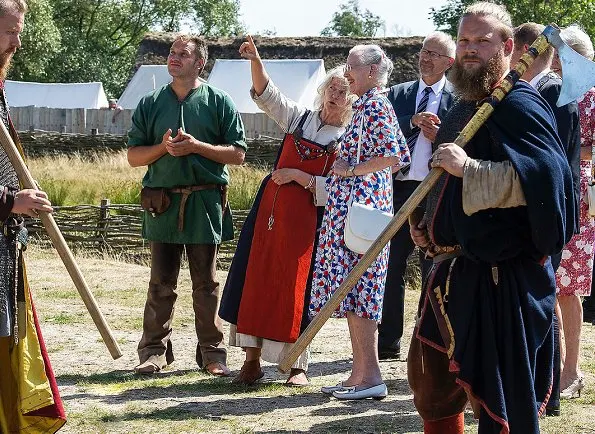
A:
(381, 137)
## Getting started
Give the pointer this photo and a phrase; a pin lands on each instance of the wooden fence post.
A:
(103, 224)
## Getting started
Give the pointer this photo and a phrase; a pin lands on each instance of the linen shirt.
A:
(209, 115)
(287, 114)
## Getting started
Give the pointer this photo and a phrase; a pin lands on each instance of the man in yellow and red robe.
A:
(29, 398)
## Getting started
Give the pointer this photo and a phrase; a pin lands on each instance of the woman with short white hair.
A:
(372, 144)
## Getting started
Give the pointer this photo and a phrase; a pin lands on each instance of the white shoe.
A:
(329, 390)
(377, 392)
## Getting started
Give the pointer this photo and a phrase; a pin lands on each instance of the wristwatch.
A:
(351, 170)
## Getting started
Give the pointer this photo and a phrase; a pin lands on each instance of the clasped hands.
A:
(181, 145)
(428, 123)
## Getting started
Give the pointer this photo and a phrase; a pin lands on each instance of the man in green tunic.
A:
(185, 132)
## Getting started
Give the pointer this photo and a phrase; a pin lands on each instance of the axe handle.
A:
(481, 115)
(60, 244)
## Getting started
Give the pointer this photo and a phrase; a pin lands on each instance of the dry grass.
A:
(86, 179)
(103, 396)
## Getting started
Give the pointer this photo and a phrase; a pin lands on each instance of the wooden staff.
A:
(483, 113)
(58, 240)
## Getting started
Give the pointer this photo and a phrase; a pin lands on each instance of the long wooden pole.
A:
(482, 114)
(60, 244)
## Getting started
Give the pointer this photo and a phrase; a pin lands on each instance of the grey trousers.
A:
(161, 297)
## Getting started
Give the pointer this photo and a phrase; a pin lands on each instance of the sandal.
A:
(218, 369)
(249, 374)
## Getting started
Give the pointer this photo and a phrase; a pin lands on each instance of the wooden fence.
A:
(105, 121)
(113, 229)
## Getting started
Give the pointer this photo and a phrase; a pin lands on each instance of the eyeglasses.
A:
(349, 67)
(432, 54)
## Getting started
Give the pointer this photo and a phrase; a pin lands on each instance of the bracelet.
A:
(353, 171)
(311, 183)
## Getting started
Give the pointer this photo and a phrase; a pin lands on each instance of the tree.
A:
(206, 17)
(42, 40)
(351, 21)
(561, 12)
(96, 40)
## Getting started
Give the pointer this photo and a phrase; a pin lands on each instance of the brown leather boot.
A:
(249, 374)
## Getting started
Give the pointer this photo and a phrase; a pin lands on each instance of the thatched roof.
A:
(402, 51)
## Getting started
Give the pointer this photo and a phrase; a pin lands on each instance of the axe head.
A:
(578, 71)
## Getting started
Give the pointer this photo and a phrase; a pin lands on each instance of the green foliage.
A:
(96, 40)
(206, 17)
(561, 12)
(42, 39)
(350, 20)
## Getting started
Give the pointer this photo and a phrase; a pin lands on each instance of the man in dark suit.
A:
(549, 86)
(419, 105)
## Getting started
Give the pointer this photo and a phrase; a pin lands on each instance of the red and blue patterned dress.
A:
(575, 272)
(381, 137)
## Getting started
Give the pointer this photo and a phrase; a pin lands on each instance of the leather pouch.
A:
(154, 200)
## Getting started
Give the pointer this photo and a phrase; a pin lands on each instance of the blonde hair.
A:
(7, 6)
(493, 10)
(336, 72)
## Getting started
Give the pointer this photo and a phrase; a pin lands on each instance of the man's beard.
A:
(477, 84)
(5, 59)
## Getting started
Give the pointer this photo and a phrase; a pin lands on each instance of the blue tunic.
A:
(500, 294)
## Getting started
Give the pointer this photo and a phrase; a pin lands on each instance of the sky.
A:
(309, 17)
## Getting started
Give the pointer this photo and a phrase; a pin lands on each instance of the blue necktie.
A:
(412, 138)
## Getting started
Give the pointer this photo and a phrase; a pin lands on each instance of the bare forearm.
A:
(586, 153)
(260, 78)
(145, 155)
(224, 154)
(375, 164)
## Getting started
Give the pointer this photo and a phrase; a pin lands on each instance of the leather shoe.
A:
(377, 392)
(328, 390)
(392, 352)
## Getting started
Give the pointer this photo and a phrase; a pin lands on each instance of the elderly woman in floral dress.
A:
(374, 128)
(574, 276)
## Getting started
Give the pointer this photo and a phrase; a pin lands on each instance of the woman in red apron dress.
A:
(268, 286)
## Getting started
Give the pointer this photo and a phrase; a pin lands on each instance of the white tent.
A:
(56, 95)
(146, 79)
(298, 79)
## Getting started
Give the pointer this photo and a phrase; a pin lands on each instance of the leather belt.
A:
(187, 191)
(446, 253)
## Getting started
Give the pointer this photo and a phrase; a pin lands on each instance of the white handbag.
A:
(363, 223)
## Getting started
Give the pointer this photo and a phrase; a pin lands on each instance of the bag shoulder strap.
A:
(359, 152)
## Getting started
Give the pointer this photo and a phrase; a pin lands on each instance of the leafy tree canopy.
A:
(96, 40)
(560, 12)
(350, 20)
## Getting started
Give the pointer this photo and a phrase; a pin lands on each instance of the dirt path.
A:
(103, 396)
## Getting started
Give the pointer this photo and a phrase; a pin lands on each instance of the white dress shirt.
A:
(423, 148)
(533, 82)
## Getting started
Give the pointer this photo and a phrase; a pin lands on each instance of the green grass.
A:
(87, 179)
